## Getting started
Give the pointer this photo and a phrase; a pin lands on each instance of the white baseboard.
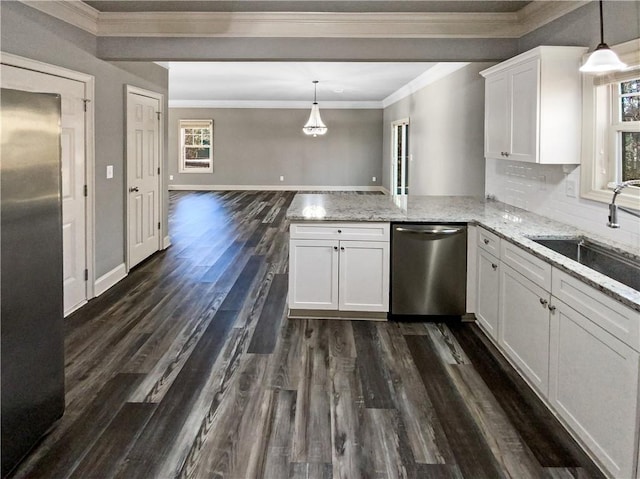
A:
(385, 191)
(109, 279)
(272, 188)
(166, 242)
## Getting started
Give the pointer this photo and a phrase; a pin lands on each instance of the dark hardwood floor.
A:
(188, 368)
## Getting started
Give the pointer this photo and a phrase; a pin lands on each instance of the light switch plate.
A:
(109, 172)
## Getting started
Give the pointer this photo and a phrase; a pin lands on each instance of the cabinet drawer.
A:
(340, 231)
(489, 242)
(532, 268)
(615, 318)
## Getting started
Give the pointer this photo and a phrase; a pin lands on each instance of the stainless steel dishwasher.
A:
(429, 269)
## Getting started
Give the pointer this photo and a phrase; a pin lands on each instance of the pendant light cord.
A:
(315, 91)
(601, 25)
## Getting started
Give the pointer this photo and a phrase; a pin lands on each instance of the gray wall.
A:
(256, 146)
(582, 26)
(446, 135)
(32, 34)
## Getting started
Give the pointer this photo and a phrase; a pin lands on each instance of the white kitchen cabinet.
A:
(533, 106)
(313, 274)
(488, 268)
(524, 326)
(330, 273)
(594, 387)
(364, 276)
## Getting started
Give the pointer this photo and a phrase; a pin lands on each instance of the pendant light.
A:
(314, 125)
(603, 59)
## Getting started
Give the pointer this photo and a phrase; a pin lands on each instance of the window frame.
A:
(183, 125)
(618, 126)
(599, 165)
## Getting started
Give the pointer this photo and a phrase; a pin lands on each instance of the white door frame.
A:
(89, 154)
(394, 180)
(160, 97)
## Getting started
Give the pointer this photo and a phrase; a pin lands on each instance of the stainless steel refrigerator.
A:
(31, 329)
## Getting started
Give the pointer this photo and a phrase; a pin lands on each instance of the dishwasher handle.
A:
(434, 231)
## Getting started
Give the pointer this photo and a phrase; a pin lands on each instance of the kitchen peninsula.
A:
(572, 333)
(513, 224)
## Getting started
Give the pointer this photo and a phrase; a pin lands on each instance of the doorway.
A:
(400, 157)
(76, 91)
(143, 157)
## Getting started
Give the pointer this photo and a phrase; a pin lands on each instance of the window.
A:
(611, 131)
(196, 146)
(626, 128)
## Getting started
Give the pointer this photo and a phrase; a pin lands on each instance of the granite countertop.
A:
(514, 224)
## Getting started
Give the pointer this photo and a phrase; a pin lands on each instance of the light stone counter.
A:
(514, 224)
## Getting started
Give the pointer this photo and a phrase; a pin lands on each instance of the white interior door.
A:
(73, 173)
(143, 189)
(400, 157)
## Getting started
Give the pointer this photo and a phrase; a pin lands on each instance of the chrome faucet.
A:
(613, 208)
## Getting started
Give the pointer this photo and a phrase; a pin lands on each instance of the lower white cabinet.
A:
(363, 283)
(524, 326)
(488, 270)
(594, 388)
(331, 273)
(313, 274)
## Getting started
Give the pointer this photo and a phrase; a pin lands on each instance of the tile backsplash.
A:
(554, 191)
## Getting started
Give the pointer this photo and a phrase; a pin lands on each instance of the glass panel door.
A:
(400, 158)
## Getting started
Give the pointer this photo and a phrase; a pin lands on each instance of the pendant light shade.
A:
(314, 125)
(603, 59)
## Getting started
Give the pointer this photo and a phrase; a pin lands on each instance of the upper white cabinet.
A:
(533, 107)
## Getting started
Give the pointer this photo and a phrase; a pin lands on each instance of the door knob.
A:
(134, 188)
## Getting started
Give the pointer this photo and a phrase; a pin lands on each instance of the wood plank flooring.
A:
(189, 368)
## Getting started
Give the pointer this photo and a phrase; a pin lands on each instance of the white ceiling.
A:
(289, 84)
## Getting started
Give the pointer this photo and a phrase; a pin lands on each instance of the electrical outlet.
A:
(109, 172)
(170, 177)
(373, 178)
(570, 188)
(282, 178)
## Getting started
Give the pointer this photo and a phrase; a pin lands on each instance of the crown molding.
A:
(538, 13)
(306, 24)
(433, 74)
(276, 105)
(74, 12)
(310, 25)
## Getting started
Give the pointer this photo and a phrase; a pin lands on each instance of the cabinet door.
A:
(523, 140)
(524, 326)
(496, 119)
(594, 387)
(313, 274)
(364, 276)
(488, 291)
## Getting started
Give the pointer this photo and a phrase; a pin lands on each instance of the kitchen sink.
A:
(616, 266)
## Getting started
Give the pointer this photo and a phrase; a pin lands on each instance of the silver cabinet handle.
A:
(134, 189)
(543, 302)
(552, 308)
(494, 266)
(448, 231)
